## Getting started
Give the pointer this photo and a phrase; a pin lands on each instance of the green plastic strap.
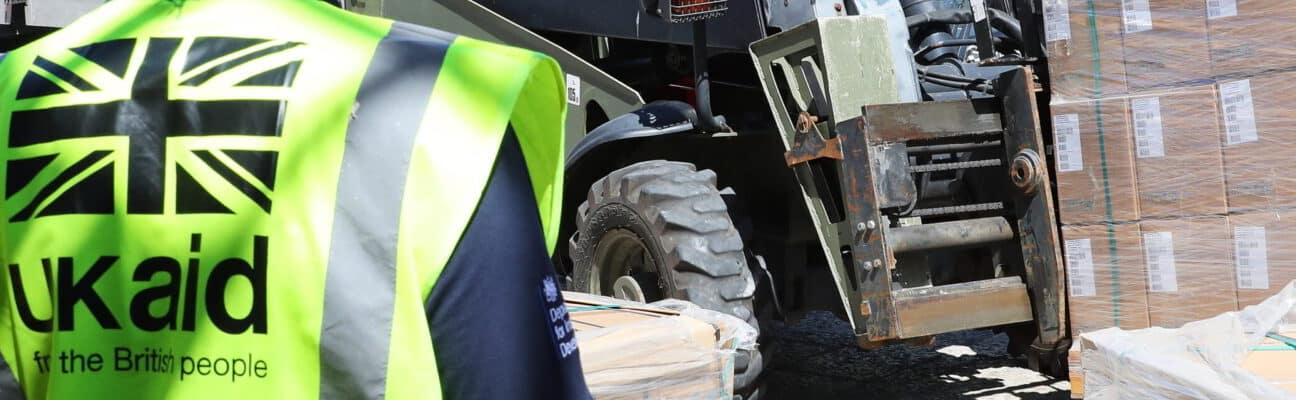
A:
(1289, 343)
(1285, 339)
(1102, 156)
(1273, 348)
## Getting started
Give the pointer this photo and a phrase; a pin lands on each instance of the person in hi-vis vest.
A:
(278, 199)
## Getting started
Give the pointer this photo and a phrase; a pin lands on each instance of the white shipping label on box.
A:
(1057, 21)
(1239, 112)
(573, 90)
(1080, 270)
(1252, 257)
(1148, 140)
(1158, 249)
(1066, 143)
(1137, 16)
(1221, 8)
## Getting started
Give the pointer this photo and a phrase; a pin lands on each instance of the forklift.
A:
(883, 160)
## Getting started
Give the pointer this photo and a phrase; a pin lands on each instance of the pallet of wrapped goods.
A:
(1166, 43)
(632, 350)
(1251, 36)
(1241, 355)
(1085, 55)
(1259, 135)
(1177, 153)
(1094, 157)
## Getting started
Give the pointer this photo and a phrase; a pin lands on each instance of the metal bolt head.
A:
(877, 263)
(872, 224)
(1025, 170)
(860, 227)
(806, 122)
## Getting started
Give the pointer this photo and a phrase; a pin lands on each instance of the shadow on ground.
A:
(817, 359)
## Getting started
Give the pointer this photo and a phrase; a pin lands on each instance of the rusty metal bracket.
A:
(1033, 206)
(810, 143)
(870, 255)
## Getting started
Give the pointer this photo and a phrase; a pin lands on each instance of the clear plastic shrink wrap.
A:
(1174, 147)
(666, 350)
(1248, 354)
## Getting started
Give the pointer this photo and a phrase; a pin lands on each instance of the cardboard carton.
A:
(1259, 136)
(1075, 369)
(1094, 156)
(1086, 55)
(1249, 36)
(1177, 153)
(632, 351)
(1105, 275)
(1264, 254)
(1189, 269)
(1166, 44)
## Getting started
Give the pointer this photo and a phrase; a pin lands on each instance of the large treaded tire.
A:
(679, 216)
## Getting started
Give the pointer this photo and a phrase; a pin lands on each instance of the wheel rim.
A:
(627, 288)
(624, 268)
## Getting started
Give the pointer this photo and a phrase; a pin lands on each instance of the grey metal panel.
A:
(743, 24)
(360, 283)
(842, 64)
(466, 17)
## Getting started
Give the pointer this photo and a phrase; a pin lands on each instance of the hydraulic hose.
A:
(998, 19)
(955, 81)
(948, 43)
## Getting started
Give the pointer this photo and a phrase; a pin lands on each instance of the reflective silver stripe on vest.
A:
(361, 280)
(9, 388)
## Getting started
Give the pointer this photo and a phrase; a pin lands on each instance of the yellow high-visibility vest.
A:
(196, 191)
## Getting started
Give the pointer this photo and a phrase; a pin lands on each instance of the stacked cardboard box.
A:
(1086, 59)
(1142, 200)
(1095, 162)
(1177, 146)
(1166, 43)
(1189, 269)
(1105, 277)
(1260, 138)
(1173, 148)
(1264, 247)
(1251, 36)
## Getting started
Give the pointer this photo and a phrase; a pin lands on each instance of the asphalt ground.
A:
(817, 359)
